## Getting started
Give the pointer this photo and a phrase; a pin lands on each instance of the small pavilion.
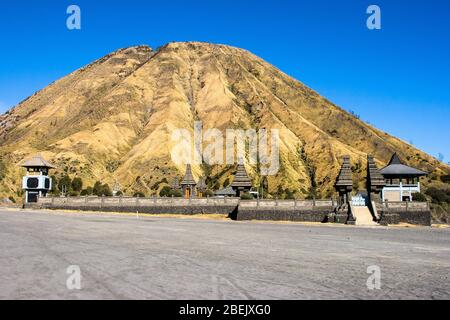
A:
(344, 182)
(36, 183)
(201, 187)
(226, 192)
(401, 181)
(241, 183)
(188, 183)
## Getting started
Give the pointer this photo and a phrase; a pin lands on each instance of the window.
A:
(32, 183)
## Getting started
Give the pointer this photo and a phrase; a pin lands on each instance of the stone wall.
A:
(277, 214)
(417, 213)
(143, 205)
(272, 210)
(286, 210)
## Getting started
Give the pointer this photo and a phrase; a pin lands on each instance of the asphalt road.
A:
(121, 257)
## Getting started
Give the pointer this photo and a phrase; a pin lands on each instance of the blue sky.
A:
(397, 78)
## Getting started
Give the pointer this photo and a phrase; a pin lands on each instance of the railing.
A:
(288, 204)
(133, 201)
(406, 205)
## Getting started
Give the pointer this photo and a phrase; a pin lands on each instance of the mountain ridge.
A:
(111, 120)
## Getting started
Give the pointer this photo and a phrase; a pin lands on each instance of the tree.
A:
(65, 184)
(97, 190)
(106, 190)
(3, 170)
(54, 185)
(77, 184)
(165, 191)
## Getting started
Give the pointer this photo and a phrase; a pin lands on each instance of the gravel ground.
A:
(122, 257)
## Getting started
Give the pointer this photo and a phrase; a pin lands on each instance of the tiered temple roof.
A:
(226, 192)
(345, 175)
(175, 183)
(396, 168)
(188, 179)
(376, 179)
(241, 179)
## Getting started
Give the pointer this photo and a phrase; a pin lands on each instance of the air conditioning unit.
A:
(37, 183)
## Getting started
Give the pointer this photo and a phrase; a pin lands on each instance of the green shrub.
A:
(119, 193)
(246, 196)
(165, 191)
(209, 193)
(12, 199)
(139, 195)
(438, 195)
(289, 194)
(446, 178)
(73, 193)
(420, 197)
(176, 193)
(87, 192)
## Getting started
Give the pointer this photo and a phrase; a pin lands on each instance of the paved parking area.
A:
(122, 257)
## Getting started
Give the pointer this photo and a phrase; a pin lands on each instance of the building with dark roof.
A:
(401, 181)
(188, 184)
(344, 182)
(36, 183)
(241, 183)
(226, 192)
(202, 187)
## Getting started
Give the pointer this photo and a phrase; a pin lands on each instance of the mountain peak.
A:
(112, 120)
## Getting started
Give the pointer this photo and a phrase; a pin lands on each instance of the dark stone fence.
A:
(286, 210)
(418, 213)
(143, 205)
(272, 210)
